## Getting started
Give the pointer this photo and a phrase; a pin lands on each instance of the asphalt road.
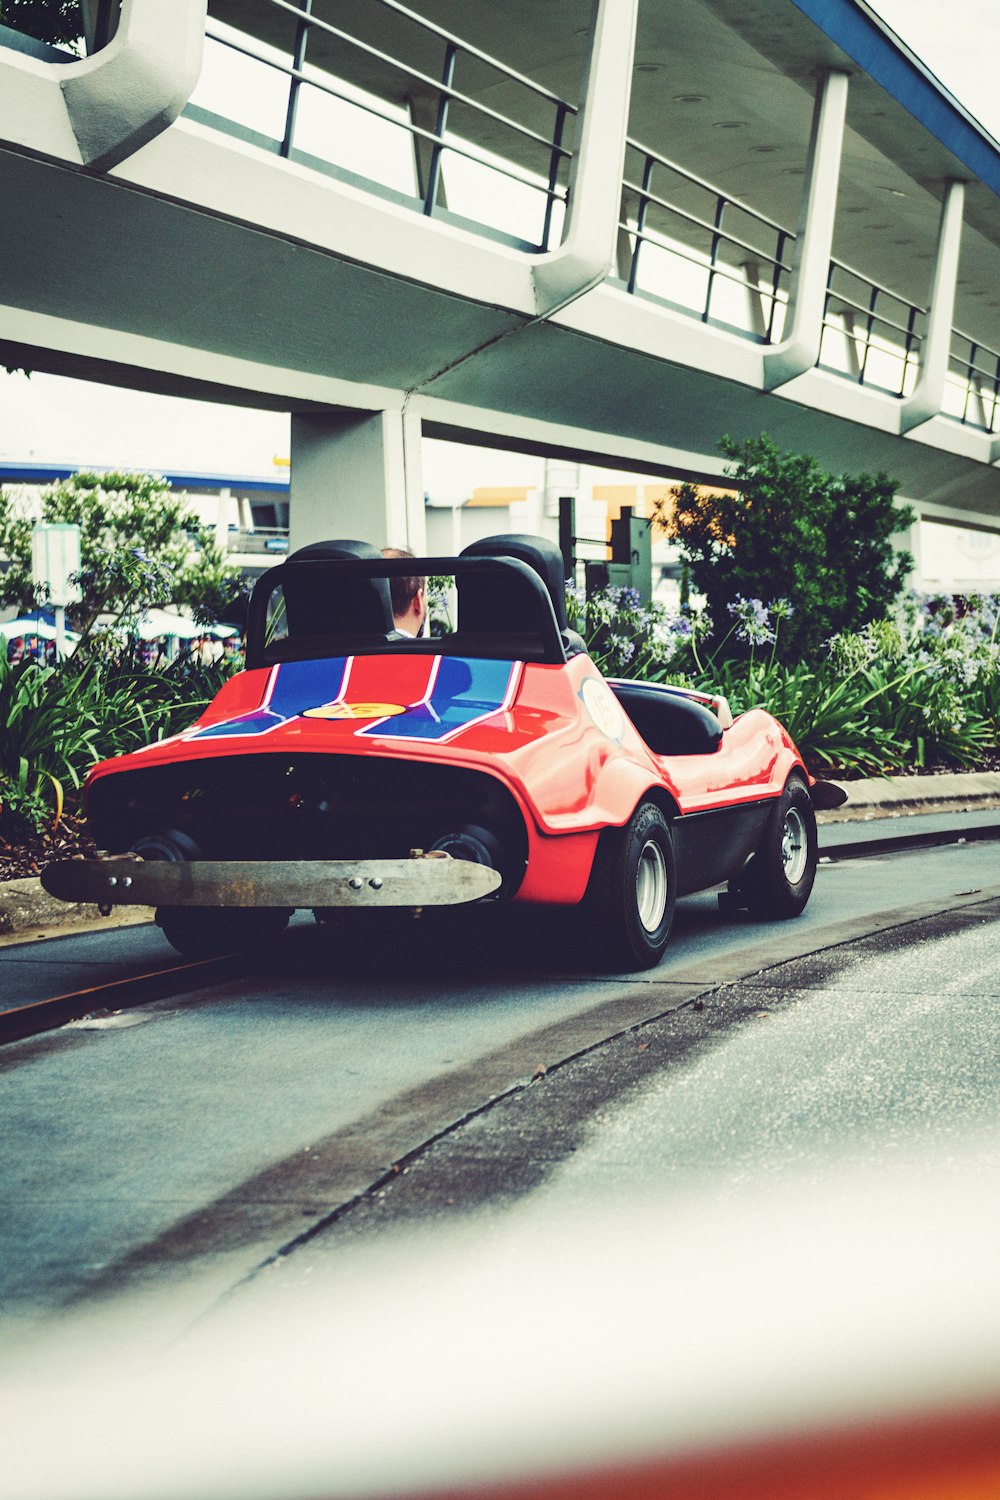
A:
(172, 1137)
(767, 1202)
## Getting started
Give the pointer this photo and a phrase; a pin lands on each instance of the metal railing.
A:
(686, 242)
(682, 241)
(528, 149)
(871, 334)
(693, 246)
(972, 389)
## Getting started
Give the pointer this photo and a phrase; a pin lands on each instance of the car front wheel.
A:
(778, 880)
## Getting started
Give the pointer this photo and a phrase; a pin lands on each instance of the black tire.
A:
(778, 880)
(633, 887)
(208, 931)
(205, 931)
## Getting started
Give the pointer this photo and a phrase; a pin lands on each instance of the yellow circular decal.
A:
(602, 706)
(355, 711)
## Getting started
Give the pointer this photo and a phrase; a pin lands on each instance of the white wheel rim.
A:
(651, 885)
(794, 846)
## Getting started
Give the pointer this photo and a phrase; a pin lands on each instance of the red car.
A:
(350, 766)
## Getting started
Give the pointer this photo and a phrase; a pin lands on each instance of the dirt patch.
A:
(23, 853)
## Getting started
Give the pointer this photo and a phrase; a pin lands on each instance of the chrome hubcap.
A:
(651, 886)
(794, 846)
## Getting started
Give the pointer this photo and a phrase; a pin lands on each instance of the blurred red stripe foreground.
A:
(954, 1457)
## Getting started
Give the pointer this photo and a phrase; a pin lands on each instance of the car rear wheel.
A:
(209, 931)
(633, 887)
(206, 931)
(778, 880)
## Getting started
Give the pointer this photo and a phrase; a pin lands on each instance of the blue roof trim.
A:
(874, 47)
(42, 473)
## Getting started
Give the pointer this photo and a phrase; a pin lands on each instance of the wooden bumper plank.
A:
(296, 883)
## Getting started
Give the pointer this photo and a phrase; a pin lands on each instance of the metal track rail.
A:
(38, 1016)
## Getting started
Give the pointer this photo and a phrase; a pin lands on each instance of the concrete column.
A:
(136, 86)
(562, 477)
(590, 237)
(910, 540)
(358, 475)
(623, 254)
(799, 349)
(849, 320)
(928, 395)
(222, 514)
(977, 400)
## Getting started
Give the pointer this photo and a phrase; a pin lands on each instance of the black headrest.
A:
(318, 606)
(343, 549)
(482, 599)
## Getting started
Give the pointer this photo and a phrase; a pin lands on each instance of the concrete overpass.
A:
(740, 217)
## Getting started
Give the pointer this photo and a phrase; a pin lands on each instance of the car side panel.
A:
(712, 846)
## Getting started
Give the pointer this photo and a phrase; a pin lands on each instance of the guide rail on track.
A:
(38, 1016)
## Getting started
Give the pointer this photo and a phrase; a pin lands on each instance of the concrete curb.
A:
(895, 796)
(28, 913)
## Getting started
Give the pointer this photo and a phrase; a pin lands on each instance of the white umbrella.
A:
(39, 628)
(154, 623)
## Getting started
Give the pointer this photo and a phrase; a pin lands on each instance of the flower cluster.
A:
(879, 641)
(628, 638)
(756, 623)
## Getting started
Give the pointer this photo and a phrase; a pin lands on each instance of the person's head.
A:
(409, 596)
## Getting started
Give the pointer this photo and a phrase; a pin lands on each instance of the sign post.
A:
(55, 558)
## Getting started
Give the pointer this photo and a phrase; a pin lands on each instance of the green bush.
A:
(56, 722)
(141, 544)
(882, 698)
(788, 530)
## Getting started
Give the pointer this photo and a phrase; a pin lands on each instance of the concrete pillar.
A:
(849, 320)
(562, 477)
(928, 394)
(799, 348)
(590, 235)
(910, 540)
(977, 402)
(137, 85)
(358, 475)
(222, 514)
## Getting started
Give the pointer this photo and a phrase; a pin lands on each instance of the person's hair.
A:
(405, 589)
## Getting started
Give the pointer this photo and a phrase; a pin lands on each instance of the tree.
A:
(140, 545)
(790, 531)
(59, 22)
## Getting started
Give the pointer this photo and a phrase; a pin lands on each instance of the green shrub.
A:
(882, 698)
(57, 722)
(789, 530)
